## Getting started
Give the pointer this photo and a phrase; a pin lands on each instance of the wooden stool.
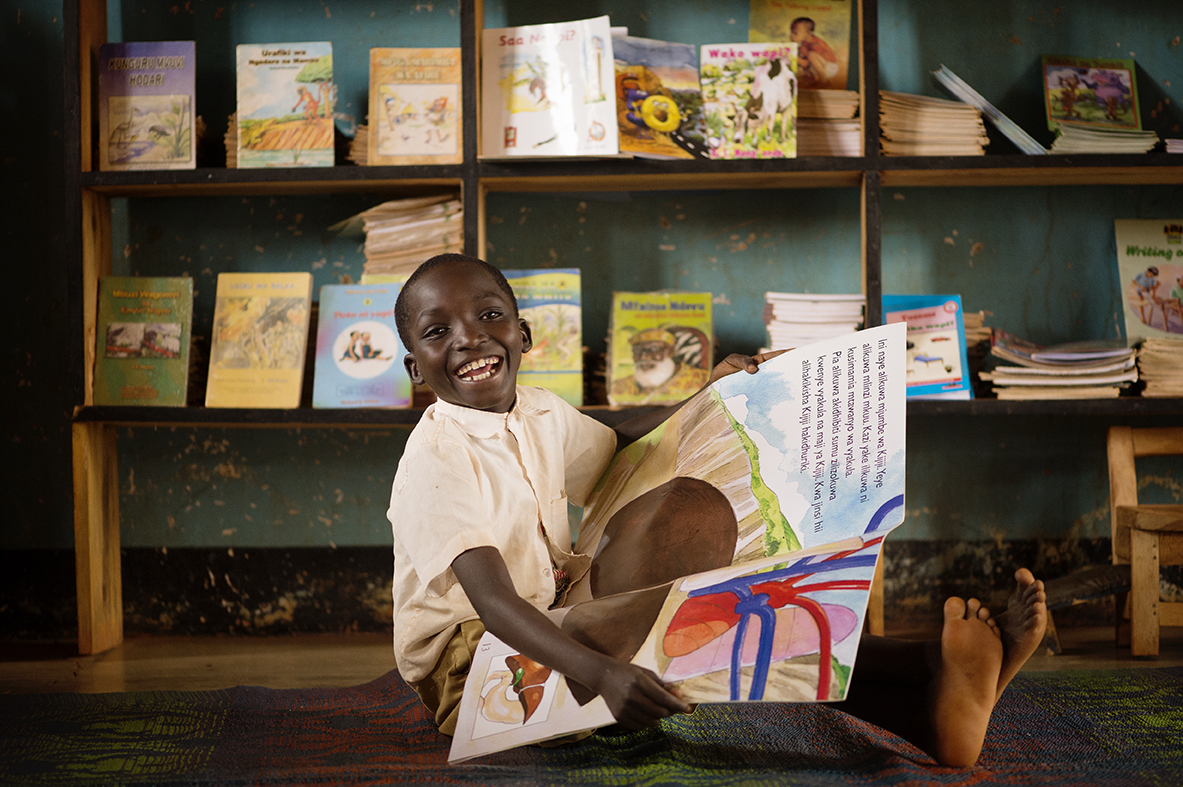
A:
(1146, 536)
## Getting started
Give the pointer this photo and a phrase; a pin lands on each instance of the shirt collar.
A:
(483, 424)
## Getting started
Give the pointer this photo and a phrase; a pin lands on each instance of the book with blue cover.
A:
(938, 364)
(359, 358)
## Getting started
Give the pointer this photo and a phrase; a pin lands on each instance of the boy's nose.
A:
(469, 334)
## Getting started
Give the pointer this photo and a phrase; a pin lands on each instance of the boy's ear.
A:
(412, 369)
(527, 338)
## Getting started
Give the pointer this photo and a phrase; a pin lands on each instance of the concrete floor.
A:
(328, 660)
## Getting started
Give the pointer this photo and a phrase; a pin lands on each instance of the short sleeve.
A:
(436, 512)
(588, 447)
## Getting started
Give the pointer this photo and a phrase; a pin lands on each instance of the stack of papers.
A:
(958, 87)
(1160, 365)
(796, 319)
(1081, 138)
(838, 104)
(923, 126)
(1174, 145)
(401, 234)
(1081, 370)
(359, 146)
(829, 137)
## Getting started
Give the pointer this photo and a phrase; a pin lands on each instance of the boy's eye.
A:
(492, 314)
(436, 330)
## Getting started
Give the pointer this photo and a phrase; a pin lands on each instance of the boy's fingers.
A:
(768, 356)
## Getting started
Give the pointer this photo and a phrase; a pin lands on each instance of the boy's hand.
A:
(635, 695)
(737, 361)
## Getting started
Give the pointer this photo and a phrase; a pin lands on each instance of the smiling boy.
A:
(481, 540)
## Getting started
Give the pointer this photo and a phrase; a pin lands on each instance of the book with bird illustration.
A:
(801, 467)
(414, 106)
(285, 105)
(144, 324)
(260, 338)
(549, 300)
(146, 99)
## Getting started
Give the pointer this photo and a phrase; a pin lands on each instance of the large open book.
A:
(806, 462)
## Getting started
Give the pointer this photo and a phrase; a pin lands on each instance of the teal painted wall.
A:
(1040, 259)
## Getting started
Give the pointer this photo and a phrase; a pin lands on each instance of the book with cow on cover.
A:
(749, 95)
(804, 462)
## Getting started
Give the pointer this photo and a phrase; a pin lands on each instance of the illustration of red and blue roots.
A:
(709, 612)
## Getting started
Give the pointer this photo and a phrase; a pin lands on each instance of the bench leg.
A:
(1143, 593)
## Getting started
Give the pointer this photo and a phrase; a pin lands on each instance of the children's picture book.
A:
(1093, 91)
(414, 106)
(546, 90)
(1150, 264)
(660, 346)
(359, 358)
(802, 464)
(938, 364)
(749, 94)
(144, 325)
(550, 300)
(146, 100)
(259, 341)
(821, 31)
(285, 105)
(658, 101)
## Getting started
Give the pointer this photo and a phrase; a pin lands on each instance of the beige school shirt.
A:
(470, 478)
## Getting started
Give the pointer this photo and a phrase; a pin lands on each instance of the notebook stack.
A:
(827, 123)
(401, 234)
(923, 126)
(1080, 138)
(797, 319)
(1160, 366)
(1081, 370)
(359, 146)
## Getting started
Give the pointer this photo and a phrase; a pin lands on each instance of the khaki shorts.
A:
(442, 689)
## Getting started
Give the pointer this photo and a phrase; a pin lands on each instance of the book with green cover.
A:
(549, 299)
(142, 356)
(259, 341)
(660, 346)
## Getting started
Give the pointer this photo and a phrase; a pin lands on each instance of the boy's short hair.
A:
(402, 314)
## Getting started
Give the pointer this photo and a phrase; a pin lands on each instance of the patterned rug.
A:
(1072, 728)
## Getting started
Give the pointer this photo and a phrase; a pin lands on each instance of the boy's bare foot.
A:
(1021, 626)
(962, 694)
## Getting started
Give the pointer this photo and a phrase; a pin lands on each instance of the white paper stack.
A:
(924, 126)
(1081, 370)
(401, 234)
(1080, 138)
(796, 319)
(837, 104)
(1174, 145)
(829, 137)
(1160, 365)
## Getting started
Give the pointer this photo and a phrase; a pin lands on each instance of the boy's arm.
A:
(635, 696)
(638, 426)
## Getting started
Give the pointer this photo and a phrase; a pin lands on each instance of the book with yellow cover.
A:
(549, 300)
(660, 346)
(414, 106)
(259, 340)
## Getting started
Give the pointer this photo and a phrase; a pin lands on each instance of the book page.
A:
(805, 461)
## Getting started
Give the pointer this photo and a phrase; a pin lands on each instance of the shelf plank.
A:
(221, 182)
(1019, 170)
(302, 418)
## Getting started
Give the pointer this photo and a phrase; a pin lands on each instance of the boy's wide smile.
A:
(481, 369)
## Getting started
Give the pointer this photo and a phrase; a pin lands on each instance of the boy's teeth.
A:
(472, 366)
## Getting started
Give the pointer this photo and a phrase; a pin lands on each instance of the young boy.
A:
(481, 540)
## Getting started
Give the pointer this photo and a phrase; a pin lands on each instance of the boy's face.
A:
(466, 339)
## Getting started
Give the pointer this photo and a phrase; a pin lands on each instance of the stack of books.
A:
(835, 104)
(977, 348)
(1160, 366)
(796, 319)
(1081, 138)
(1081, 370)
(960, 88)
(827, 124)
(231, 140)
(359, 146)
(923, 126)
(1174, 145)
(401, 234)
